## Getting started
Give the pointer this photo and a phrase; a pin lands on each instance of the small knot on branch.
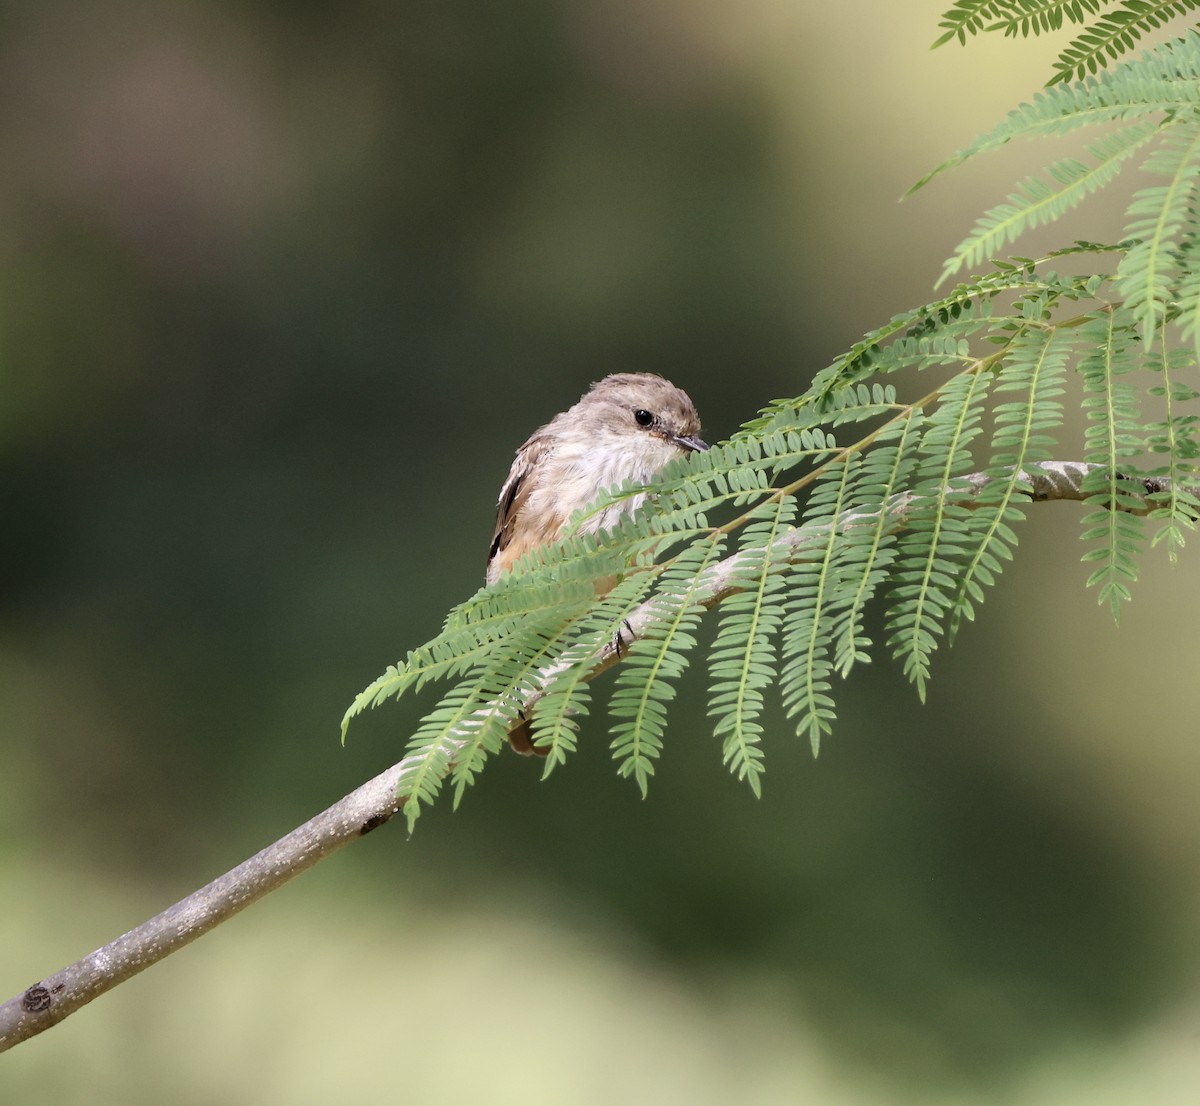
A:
(39, 998)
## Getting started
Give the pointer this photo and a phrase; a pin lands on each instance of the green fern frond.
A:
(1115, 34)
(566, 691)
(1122, 536)
(732, 474)
(502, 684)
(968, 17)
(817, 593)
(1160, 93)
(1035, 202)
(742, 661)
(431, 752)
(1063, 109)
(1163, 83)
(1112, 440)
(1023, 436)
(925, 571)
(1158, 218)
(643, 687)
(870, 547)
(1113, 437)
(1033, 369)
(1026, 17)
(957, 316)
(475, 738)
(1188, 298)
(1176, 439)
(961, 314)
(548, 590)
(469, 639)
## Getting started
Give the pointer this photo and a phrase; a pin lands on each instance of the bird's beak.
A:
(690, 441)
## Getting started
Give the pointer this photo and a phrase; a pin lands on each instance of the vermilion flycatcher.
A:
(626, 428)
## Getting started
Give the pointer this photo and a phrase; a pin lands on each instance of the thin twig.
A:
(53, 998)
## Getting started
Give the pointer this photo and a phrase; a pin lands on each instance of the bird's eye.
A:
(644, 418)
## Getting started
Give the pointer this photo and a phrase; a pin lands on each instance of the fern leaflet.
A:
(642, 688)
(743, 658)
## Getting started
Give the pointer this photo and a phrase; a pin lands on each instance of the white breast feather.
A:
(575, 476)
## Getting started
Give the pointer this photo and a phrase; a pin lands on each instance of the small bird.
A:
(626, 427)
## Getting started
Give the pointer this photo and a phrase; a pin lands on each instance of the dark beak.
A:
(690, 441)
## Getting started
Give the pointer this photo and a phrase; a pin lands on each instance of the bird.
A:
(626, 427)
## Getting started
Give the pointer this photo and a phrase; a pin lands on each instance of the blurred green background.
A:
(282, 287)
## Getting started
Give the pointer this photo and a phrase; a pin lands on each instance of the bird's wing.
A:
(522, 479)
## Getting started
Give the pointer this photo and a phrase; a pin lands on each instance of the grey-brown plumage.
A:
(627, 427)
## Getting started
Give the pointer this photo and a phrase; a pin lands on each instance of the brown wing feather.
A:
(522, 479)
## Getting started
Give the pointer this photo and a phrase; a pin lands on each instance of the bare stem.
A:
(50, 1000)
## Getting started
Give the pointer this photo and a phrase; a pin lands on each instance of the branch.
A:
(49, 1001)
